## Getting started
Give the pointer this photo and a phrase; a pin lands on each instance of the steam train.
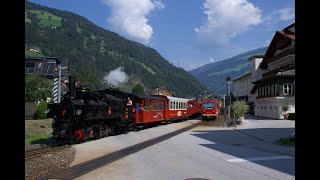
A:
(87, 115)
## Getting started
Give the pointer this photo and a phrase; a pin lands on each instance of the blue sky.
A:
(188, 33)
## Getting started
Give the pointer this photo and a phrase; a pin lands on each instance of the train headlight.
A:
(78, 112)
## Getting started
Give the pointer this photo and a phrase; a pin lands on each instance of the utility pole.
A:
(227, 104)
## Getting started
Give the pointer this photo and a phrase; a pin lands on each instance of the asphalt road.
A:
(246, 152)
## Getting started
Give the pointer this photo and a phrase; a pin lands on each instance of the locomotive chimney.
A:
(72, 87)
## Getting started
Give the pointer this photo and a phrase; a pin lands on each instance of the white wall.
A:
(271, 107)
(243, 86)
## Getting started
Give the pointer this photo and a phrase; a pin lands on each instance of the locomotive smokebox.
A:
(72, 87)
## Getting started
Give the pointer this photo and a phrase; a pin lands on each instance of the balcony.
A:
(273, 72)
(277, 57)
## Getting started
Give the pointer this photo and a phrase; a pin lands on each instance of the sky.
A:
(188, 33)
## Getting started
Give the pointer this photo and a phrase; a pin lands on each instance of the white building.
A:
(271, 81)
(243, 84)
(277, 76)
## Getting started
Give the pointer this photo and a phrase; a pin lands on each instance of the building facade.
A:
(277, 70)
(271, 82)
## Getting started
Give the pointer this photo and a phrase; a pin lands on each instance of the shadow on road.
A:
(252, 143)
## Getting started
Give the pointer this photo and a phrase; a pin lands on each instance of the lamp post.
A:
(206, 93)
(59, 82)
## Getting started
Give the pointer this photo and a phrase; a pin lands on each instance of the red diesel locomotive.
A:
(210, 109)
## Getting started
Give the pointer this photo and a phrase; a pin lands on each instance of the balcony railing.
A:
(277, 57)
(273, 72)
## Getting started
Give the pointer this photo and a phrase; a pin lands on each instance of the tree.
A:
(138, 89)
(37, 88)
(285, 107)
(239, 109)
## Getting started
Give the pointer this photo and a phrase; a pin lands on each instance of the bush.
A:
(41, 110)
(292, 116)
(239, 109)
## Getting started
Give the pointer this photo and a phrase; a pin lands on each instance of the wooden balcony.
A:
(275, 71)
(277, 57)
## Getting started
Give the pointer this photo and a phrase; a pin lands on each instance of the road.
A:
(246, 152)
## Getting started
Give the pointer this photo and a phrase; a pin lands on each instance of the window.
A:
(208, 105)
(30, 65)
(259, 91)
(287, 89)
(265, 90)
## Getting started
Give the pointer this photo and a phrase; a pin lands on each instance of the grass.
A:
(237, 68)
(47, 19)
(26, 19)
(218, 122)
(79, 30)
(287, 141)
(29, 53)
(37, 130)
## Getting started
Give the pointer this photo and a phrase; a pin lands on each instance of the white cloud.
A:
(212, 60)
(225, 20)
(286, 14)
(129, 18)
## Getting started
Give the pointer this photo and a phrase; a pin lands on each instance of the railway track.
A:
(45, 150)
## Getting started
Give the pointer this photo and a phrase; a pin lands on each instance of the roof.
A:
(288, 34)
(177, 99)
(43, 58)
(255, 56)
(151, 97)
(280, 40)
(241, 76)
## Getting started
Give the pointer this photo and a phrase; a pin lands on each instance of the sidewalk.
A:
(268, 131)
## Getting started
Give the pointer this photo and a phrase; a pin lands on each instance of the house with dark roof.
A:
(277, 70)
(45, 66)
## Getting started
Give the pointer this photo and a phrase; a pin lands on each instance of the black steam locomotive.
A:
(86, 115)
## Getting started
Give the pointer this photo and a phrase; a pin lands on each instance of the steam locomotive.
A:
(84, 115)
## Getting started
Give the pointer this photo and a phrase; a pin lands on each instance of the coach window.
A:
(155, 105)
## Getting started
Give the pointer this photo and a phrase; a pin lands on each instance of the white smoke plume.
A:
(116, 76)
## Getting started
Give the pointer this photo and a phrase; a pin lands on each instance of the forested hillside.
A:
(92, 52)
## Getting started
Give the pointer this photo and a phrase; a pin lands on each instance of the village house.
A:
(272, 77)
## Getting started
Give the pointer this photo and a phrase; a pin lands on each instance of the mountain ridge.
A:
(213, 75)
(93, 51)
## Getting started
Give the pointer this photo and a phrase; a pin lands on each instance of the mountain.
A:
(92, 52)
(213, 75)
